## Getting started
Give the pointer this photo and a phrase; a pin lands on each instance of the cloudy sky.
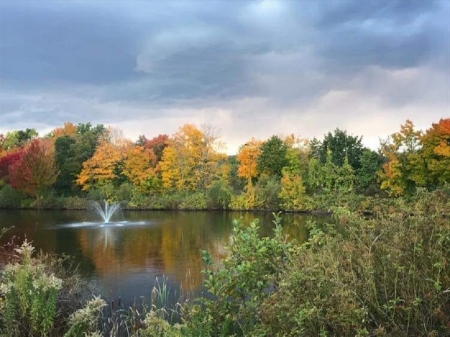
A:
(250, 68)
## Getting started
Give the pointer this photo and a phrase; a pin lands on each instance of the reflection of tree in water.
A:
(172, 247)
(172, 250)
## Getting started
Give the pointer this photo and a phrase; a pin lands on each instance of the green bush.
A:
(10, 198)
(29, 296)
(218, 195)
(193, 201)
(267, 192)
(249, 274)
(386, 276)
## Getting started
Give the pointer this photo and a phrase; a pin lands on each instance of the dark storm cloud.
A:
(112, 61)
(392, 34)
(49, 40)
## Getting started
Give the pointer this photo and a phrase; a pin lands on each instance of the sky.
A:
(247, 68)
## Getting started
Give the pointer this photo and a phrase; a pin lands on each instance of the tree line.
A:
(190, 169)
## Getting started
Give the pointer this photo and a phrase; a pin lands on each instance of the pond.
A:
(127, 257)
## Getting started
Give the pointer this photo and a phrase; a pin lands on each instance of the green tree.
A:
(341, 146)
(71, 151)
(272, 157)
(366, 175)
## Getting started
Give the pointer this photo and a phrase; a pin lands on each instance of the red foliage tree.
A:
(157, 145)
(8, 161)
(35, 171)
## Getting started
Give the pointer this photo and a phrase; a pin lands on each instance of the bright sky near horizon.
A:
(249, 68)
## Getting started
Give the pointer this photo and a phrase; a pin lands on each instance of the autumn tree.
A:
(71, 151)
(68, 129)
(192, 160)
(402, 160)
(7, 161)
(138, 167)
(435, 152)
(248, 160)
(35, 171)
(293, 192)
(101, 168)
(156, 145)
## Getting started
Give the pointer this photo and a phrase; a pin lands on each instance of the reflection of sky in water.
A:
(106, 224)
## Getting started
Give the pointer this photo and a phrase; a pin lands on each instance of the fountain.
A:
(107, 212)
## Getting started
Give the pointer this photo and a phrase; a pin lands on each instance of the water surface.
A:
(124, 258)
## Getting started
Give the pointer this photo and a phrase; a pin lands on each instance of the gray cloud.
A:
(279, 62)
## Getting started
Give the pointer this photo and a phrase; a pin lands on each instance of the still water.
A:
(126, 257)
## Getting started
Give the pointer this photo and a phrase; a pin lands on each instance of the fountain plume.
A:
(107, 211)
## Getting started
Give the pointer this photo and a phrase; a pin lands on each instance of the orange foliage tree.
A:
(436, 152)
(102, 166)
(248, 160)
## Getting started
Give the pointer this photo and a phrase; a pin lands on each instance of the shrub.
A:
(386, 277)
(249, 274)
(30, 295)
(218, 195)
(86, 320)
(10, 198)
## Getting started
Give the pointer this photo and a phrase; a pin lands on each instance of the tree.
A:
(68, 129)
(248, 160)
(329, 177)
(341, 146)
(157, 145)
(18, 138)
(102, 166)
(193, 159)
(36, 170)
(399, 173)
(71, 151)
(272, 158)
(366, 175)
(436, 152)
(6, 162)
(292, 191)
(138, 166)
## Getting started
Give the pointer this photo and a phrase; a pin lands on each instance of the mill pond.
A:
(125, 257)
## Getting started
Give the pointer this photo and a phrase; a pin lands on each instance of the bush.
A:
(193, 201)
(30, 296)
(10, 198)
(39, 293)
(381, 277)
(218, 195)
(250, 273)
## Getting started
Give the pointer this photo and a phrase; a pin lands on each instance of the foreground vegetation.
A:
(387, 275)
(188, 170)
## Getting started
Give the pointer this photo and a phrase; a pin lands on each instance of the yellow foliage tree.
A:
(68, 129)
(292, 192)
(138, 164)
(192, 160)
